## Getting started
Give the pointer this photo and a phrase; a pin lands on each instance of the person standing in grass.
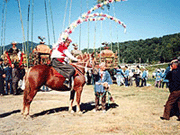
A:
(137, 75)
(119, 76)
(126, 75)
(144, 77)
(102, 84)
(2, 76)
(174, 87)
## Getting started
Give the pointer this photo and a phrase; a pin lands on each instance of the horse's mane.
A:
(84, 58)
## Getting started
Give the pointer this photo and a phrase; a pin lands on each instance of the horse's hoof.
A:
(71, 111)
(80, 113)
(26, 116)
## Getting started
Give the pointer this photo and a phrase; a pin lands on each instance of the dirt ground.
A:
(136, 111)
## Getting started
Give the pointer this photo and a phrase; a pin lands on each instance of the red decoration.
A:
(8, 58)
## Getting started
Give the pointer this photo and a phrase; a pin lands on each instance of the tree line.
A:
(153, 50)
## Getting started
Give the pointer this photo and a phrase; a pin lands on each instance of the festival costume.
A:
(100, 90)
(60, 55)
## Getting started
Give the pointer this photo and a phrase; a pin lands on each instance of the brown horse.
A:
(40, 75)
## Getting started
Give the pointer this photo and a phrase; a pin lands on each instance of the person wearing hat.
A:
(137, 75)
(102, 84)
(13, 49)
(13, 52)
(76, 52)
(59, 56)
(2, 76)
(174, 87)
(158, 78)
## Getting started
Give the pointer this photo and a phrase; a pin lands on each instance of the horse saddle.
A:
(57, 74)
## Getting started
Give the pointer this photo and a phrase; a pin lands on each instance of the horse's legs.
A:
(78, 98)
(71, 101)
(24, 102)
(28, 99)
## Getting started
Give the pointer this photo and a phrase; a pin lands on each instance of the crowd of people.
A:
(160, 77)
(124, 76)
(10, 75)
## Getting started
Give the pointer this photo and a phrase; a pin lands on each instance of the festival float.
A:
(40, 54)
(76, 52)
(110, 58)
(107, 56)
(14, 55)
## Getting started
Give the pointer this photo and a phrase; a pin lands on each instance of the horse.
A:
(40, 75)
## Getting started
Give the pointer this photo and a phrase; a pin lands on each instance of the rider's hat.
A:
(69, 40)
(14, 43)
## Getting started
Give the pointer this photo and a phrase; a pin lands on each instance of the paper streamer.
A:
(90, 17)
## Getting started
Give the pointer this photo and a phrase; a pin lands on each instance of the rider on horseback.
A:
(59, 56)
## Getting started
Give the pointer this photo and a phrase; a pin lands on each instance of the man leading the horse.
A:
(59, 56)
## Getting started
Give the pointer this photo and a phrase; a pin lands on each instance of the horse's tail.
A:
(27, 86)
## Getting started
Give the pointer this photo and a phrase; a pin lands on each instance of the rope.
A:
(5, 26)
(110, 30)
(47, 22)
(94, 37)
(28, 34)
(117, 36)
(65, 15)
(70, 12)
(32, 19)
(70, 16)
(101, 41)
(2, 25)
(80, 29)
(81, 66)
(24, 47)
(88, 25)
(52, 21)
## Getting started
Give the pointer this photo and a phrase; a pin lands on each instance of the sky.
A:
(143, 18)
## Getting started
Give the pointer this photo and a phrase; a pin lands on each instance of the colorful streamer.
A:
(90, 17)
(100, 5)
